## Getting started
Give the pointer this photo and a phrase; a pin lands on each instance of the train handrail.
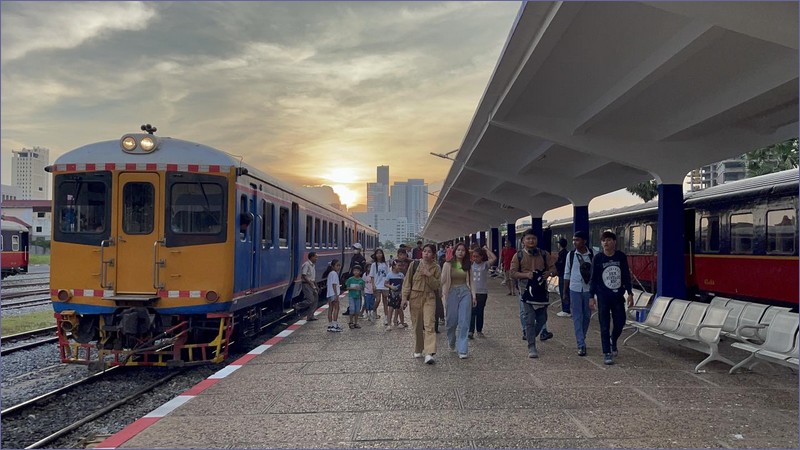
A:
(104, 264)
(157, 264)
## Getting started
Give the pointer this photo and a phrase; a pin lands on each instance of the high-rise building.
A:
(416, 205)
(397, 202)
(718, 173)
(383, 175)
(28, 174)
(377, 198)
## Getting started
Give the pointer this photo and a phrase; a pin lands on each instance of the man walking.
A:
(308, 273)
(417, 252)
(506, 256)
(533, 266)
(577, 275)
(611, 278)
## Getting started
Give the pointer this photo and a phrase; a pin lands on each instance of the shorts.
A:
(333, 298)
(394, 302)
(369, 301)
(355, 305)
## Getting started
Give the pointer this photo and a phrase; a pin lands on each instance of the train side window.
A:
(781, 231)
(621, 241)
(709, 234)
(1, 244)
(336, 235)
(316, 233)
(266, 224)
(138, 202)
(325, 239)
(330, 235)
(15, 243)
(741, 233)
(649, 239)
(309, 230)
(283, 228)
(636, 239)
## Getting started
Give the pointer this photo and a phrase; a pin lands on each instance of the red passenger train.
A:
(14, 244)
(740, 239)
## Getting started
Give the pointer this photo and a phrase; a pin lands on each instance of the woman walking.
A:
(379, 271)
(482, 259)
(459, 299)
(419, 291)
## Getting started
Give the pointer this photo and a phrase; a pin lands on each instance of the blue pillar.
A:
(481, 238)
(496, 242)
(512, 234)
(671, 262)
(536, 224)
(473, 238)
(580, 220)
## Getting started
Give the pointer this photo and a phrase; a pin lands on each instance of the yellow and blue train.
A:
(164, 250)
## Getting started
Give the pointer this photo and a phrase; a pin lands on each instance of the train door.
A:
(252, 236)
(688, 250)
(295, 253)
(139, 233)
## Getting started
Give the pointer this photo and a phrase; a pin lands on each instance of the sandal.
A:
(355, 325)
(350, 325)
(405, 325)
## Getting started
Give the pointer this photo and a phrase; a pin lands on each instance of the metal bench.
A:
(779, 347)
(654, 316)
(700, 330)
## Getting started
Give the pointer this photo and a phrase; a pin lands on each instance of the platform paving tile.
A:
(174, 431)
(708, 424)
(228, 404)
(715, 398)
(297, 347)
(381, 365)
(307, 383)
(553, 398)
(467, 424)
(436, 380)
(616, 376)
(365, 400)
(536, 443)
(320, 355)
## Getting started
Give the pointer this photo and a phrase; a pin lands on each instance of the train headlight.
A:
(64, 295)
(128, 143)
(147, 144)
(212, 296)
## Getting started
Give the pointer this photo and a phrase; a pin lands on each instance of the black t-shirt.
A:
(358, 259)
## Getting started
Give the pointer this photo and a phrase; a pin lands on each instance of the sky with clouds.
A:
(311, 92)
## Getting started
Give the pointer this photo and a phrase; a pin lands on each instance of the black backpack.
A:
(585, 267)
(535, 290)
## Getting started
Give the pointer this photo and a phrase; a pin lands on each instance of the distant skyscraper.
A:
(28, 175)
(416, 204)
(398, 204)
(383, 175)
(377, 198)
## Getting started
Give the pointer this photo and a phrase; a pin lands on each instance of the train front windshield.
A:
(82, 213)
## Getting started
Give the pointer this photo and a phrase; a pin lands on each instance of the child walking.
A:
(332, 277)
(355, 289)
(394, 282)
(369, 297)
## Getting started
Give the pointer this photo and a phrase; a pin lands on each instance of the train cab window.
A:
(316, 233)
(196, 205)
(309, 231)
(138, 202)
(325, 234)
(15, 243)
(82, 215)
(266, 224)
(283, 228)
(741, 233)
(781, 231)
(709, 234)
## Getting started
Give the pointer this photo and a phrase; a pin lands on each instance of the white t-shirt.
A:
(333, 280)
(308, 269)
(379, 271)
(367, 284)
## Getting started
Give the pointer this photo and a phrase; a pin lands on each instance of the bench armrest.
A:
(744, 327)
(697, 331)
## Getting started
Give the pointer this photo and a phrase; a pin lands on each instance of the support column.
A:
(473, 238)
(495, 238)
(580, 220)
(671, 260)
(481, 238)
(512, 234)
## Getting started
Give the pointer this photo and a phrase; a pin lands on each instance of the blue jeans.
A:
(580, 315)
(369, 301)
(459, 311)
(534, 322)
(522, 317)
(610, 310)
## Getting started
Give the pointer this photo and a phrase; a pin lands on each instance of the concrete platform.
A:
(362, 389)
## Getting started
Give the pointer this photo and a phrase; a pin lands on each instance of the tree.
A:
(388, 245)
(646, 191)
(775, 158)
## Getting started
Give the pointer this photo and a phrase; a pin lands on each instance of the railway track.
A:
(27, 303)
(6, 340)
(13, 295)
(25, 285)
(40, 421)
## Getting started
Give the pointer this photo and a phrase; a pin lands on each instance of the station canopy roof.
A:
(592, 97)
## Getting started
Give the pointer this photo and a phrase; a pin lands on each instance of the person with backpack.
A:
(420, 291)
(533, 266)
(611, 278)
(577, 275)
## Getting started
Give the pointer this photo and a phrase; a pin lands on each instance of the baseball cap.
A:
(357, 245)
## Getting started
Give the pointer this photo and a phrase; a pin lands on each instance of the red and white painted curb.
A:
(155, 415)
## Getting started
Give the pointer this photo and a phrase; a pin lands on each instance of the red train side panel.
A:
(757, 277)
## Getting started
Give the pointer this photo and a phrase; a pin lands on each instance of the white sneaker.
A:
(563, 314)
(429, 359)
(462, 356)
(417, 355)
